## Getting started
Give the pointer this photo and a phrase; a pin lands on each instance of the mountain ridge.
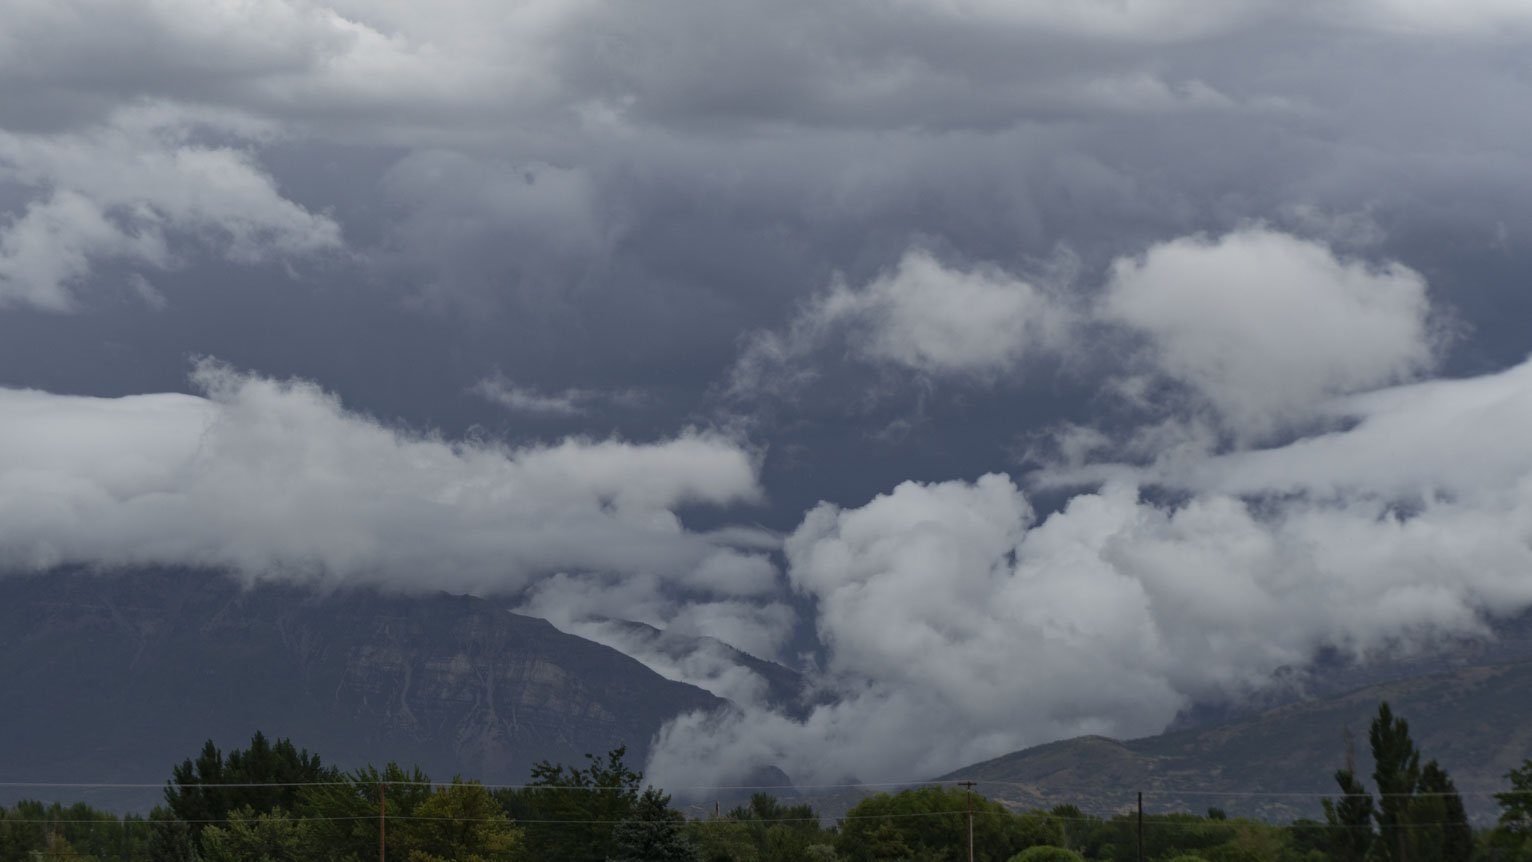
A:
(121, 675)
(1278, 763)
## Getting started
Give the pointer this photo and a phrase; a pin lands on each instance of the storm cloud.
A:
(994, 364)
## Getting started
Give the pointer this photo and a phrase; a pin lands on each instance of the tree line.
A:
(273, 802)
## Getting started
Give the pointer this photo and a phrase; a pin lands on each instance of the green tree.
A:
(1350, 819)
(724, 839)
(32, 829)
(1419, 814)
(1308, 839)
(20, 833)
(568, 812)
(171, 839)
(263, 777)
(1396, 772)
(652, 833)
(1077, 830)
(1045, 853)
(459, 822)
(932, 823)
(248, 836)
(1512, 835)
(1440, 828)
(1516, 803)
(764, 830)
(342, 816)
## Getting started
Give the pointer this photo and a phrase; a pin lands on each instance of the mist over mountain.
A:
(1005, 371)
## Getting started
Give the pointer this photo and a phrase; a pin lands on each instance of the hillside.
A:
(1277, 763)
(113, 678)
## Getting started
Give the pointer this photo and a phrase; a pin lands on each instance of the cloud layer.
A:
(1065, 340)
(272, 478)
(958, 626)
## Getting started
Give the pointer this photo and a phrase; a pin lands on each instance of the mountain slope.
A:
(113, 678)
(699, 657)
(1277, 764)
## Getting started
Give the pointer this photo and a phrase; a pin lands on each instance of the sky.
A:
(1015, 370)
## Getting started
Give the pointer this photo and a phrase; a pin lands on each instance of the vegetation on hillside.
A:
(273, 802)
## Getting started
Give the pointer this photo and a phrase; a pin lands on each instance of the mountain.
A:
(1333, 672)
(1277, 764)
(114, 677)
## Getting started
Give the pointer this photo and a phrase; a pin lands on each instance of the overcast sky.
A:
(1016, 368)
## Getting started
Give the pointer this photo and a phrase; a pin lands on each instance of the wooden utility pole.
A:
(381, 822)
(1141, 826)
(969, 785)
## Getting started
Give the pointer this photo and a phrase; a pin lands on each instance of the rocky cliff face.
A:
(114, 677)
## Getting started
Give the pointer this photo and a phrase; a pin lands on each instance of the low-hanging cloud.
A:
(617, 194)
(958, 626)
(276, 478)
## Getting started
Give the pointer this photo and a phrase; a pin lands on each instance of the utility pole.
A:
(381, 801)
(969, 785)
(1141, 826)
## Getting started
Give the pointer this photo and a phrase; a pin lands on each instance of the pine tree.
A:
(1441, 824)
(1396, 772)
(264, 777)
(654, 833)
(1350, 818)
(1512, 837)
(171, 840)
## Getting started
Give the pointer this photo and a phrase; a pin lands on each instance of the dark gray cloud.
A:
(989, 277)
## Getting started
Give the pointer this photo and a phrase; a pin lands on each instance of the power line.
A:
(1151, 821)
(1296, 794)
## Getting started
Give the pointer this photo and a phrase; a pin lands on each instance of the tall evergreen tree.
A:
(567, 811)
(1350, 818)
(341, 819)
(1396, 772)
(1512, 837)
(264, 777)
(1440, 823)
(171, 840)
(654, 833)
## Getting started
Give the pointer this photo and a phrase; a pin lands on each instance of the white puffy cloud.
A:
(1261, 326)
(923, 316)
(1265, 325)
(276, 478)
(957, 625)
(956, 628)
(133, 190)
